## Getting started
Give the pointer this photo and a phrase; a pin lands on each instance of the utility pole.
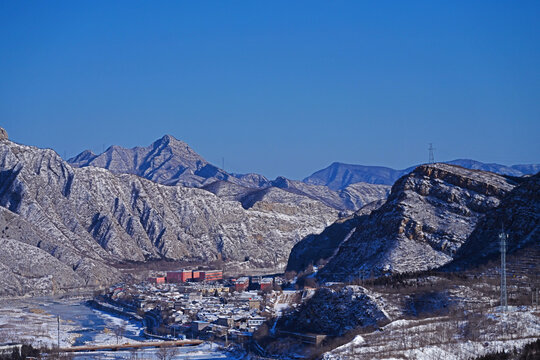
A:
(58, 321)
(431, 156)
(504, 300)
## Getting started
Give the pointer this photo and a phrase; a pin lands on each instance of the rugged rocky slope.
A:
(172, 162)
(111, 218)
(427, 217)
(335, 312)
(353, 197)
(317, 249)
(339, 176)
(519, 215)
(35, 259)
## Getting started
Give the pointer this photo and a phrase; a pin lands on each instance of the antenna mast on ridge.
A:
(431, 156)
(504, 300)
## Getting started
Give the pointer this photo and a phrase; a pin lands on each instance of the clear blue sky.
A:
(276, 87)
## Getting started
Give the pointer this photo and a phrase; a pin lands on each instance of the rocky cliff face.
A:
(89, 217)
(427, 217)
(518, 214)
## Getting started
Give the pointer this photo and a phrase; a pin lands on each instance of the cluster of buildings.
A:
(198, 304)
(254, 283)
(241, 284)
(181, 276)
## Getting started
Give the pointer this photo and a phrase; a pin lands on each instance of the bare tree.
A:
(119, 332)
(133, 354)
(166, 352)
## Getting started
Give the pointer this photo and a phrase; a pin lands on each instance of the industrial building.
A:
(179, 276)
(211, 275)
(157, 280)
(267, 284)
(241, 284)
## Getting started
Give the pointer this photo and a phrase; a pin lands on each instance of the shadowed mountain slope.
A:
(425, 220)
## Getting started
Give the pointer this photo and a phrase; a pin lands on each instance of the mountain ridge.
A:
(426, 218)
(339, 175)
(172, 162)
(90, 219)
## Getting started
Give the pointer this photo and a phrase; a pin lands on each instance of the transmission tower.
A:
(504, 300)
(431, 157)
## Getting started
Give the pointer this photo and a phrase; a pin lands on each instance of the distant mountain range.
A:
(338, 175)
(170, 161)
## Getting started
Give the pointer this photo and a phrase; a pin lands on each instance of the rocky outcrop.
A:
(425, 220)
(3, 134)
(334, 312)
(28, 270)
(111, 218)
(518, 214)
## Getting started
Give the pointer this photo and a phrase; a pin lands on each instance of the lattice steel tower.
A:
(504, 300)
(431, 156)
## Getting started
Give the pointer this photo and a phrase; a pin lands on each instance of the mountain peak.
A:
(86, 155)
(3, 134)
(169, 140)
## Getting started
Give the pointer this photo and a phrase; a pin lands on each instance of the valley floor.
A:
(34, 321)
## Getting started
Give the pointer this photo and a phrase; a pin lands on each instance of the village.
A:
(201, 304)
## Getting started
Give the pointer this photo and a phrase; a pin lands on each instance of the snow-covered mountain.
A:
(167, 161)
(428, 215)
(90, 218)
(170, 161)
(339, 176)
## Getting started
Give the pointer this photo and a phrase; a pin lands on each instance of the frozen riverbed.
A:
(35, 321)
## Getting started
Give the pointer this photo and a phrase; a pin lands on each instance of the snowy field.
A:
(35, 321)
(446, 337)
